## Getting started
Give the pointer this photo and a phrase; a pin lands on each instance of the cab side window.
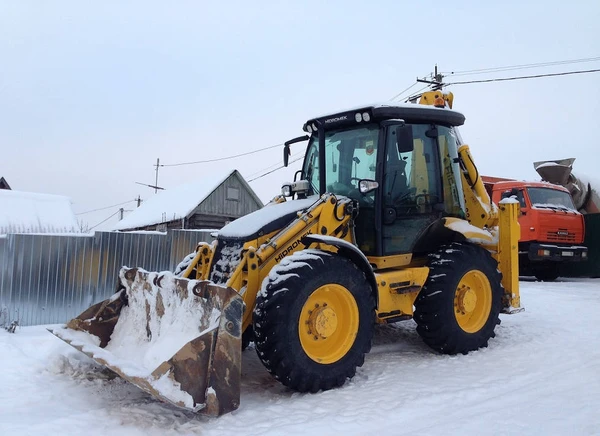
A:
(411, 181)
(311, 169)
(448, 146)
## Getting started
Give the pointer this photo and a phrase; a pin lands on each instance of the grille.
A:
(225, 261)
(562, 235)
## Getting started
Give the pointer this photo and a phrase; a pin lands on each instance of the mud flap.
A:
(177, 339)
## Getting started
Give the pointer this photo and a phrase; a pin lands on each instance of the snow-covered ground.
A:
(540, 375)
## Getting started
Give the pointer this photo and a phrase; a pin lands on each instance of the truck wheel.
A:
(314, 320)
(547, 274)
(459, 305)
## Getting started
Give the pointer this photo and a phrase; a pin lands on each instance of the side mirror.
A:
(514, 192)
(286, 155)
(404, 138)
(286, 148)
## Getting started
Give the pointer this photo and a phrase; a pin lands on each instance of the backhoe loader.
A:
(387, 220)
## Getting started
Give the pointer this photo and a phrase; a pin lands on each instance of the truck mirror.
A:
(404, 138)
(514, 192)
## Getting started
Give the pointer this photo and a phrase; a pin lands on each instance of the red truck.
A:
(552, 230)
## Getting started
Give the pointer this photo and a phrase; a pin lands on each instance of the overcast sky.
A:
(91, 94)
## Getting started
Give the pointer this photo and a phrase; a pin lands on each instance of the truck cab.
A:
(552, 230)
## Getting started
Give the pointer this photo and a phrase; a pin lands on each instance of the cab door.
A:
(412, 190)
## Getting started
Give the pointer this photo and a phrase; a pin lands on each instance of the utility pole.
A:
(139, 200)
(121, 214)
(436, 80)
(155, 186)
(157, 165)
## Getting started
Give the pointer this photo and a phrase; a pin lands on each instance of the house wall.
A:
(219, 203)
(203, 221)
(195, 222)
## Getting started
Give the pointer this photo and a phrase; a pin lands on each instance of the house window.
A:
(233, 194)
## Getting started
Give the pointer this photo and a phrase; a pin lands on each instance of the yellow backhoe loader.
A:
(387, 220)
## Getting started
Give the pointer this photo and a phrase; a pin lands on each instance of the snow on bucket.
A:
(177, 339)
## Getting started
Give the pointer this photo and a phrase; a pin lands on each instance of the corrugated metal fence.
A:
(48, 279)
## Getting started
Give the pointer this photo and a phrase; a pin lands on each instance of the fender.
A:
(350, 252)
(470, 232)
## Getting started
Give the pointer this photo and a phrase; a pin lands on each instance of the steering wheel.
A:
(406, 197)
(363, 199)
(424, 196)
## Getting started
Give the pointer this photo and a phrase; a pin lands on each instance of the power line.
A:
(103, 221)
(402, 92)
(416, 94)
(221, 158)
(272, 171)
(566, 73)
(521, 66)
(276, 164)
(104, 208)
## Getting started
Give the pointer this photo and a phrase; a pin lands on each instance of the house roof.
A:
(29, 212)
(4, 184)
(175, 204)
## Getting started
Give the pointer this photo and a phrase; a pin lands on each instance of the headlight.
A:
(314, 126)
(309, 129)
(366, 117)
(286, 190)
(358, 117)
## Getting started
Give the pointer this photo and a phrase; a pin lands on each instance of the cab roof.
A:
(410, 113)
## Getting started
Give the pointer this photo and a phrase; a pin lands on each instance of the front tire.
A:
(314, 320)
(458, 308)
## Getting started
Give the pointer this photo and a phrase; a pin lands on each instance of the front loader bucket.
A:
(177, 339)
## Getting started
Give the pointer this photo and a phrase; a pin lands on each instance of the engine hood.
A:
(266, 220)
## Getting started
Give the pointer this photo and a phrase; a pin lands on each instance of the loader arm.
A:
(327, 215)
(482, 213)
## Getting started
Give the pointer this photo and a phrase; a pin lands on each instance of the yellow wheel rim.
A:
(473, 301)
(328, 323)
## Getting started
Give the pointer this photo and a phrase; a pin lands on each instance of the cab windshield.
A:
(550, 198)
(350, 155)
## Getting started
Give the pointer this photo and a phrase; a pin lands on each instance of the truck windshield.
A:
(350, 155)
(550, 198)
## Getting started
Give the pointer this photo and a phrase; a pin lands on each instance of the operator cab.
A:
(400, 165)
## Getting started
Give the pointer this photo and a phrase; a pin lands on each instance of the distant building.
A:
(4, 184)
(198, 205)
(30, 212)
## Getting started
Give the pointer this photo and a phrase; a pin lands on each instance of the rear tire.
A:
(314, 320)
(458, 308)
